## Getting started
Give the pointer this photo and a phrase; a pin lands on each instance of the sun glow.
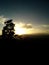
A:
(21, 30)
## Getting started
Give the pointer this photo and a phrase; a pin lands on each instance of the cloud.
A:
(24, 25)
(2, 19)
(28, 26)
(33, 29)
(45, 26)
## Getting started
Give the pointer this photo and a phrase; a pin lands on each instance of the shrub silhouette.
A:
(8, 29)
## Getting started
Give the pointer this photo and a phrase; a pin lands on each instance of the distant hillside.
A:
(26, 41)
(30, 36)
(34, 36)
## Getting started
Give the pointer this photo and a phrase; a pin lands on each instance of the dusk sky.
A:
(33, 12)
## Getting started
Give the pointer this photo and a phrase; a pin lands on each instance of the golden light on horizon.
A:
(20, 30)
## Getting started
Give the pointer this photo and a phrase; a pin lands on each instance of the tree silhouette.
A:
(8, 29)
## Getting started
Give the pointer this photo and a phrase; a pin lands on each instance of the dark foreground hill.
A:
(41, 41)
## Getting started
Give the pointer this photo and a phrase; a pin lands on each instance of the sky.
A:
(34, 12)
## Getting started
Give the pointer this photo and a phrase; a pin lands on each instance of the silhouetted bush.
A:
(8, 30)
